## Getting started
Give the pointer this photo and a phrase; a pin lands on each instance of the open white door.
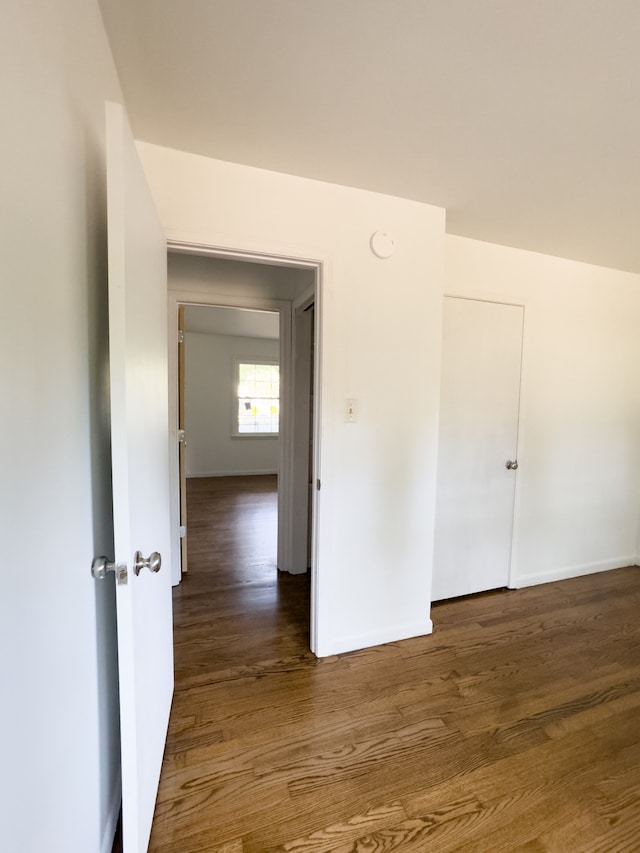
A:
(140, 452)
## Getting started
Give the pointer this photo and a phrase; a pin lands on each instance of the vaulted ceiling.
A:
(520, 117)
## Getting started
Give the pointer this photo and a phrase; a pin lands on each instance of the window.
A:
(258, 398)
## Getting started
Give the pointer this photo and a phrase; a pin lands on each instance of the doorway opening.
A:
(228, 400)
(257, 316)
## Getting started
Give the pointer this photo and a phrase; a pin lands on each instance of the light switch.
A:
(351, 412)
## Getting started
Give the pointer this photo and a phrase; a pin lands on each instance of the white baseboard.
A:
(112, 820)
(355, 642)
(295, 571)
(551, 575)
(230, 474)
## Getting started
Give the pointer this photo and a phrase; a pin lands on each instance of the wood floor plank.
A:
(537, 783)
(515, 726)
(341, 836)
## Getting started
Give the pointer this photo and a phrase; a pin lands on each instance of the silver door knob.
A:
(152, 562)
(512, 465)
(101, 566)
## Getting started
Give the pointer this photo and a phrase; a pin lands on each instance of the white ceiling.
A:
(521, 117)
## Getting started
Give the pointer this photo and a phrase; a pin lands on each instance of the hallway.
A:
(233, 609)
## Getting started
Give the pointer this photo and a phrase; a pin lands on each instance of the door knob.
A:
(152, 562)
(512, 465)
(101, 566)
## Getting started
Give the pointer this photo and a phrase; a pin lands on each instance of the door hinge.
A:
(181, 437)
(180, 336)
(182, 530)
(318, 485)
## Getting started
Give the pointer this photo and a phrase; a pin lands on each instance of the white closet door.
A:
(479, 409)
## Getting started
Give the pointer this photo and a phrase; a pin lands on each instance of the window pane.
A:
(246, 372)
(264, 372)
(258, 391)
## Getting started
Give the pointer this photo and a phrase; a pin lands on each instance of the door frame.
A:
(285, 309)
(301, 425)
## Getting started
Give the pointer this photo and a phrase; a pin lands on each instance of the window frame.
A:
(237, 361)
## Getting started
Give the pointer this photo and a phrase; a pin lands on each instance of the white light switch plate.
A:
(351, 411)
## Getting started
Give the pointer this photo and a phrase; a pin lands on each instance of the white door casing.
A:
(479, 412)
(302, 435)
(140, 454)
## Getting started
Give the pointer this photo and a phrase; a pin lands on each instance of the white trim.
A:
(495, 300)
(302, 357)
(232, 473)
(305, 299)
(551, 575)
(219, 246)
(393, 634)
(517, 491)
(285, 452)
(197, 298)
(322, 369)
(111, 822)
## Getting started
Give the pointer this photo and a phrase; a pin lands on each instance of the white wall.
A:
(577, 492)
(209, 406)
(60, 765)
(380, 343)
(577, 498)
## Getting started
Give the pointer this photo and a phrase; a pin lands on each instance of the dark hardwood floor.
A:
(514, 727)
